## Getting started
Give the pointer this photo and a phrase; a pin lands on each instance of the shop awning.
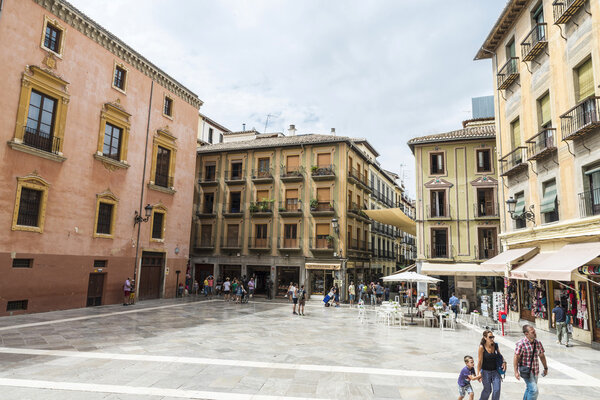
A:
(329, 266)
(394, 217)
(558, 265)
(511, 256)
(460, 269)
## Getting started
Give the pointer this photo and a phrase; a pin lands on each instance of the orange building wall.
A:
(64, 253)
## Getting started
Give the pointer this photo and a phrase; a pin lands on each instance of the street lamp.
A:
(335, 225)
(138, 218)
(525, 215)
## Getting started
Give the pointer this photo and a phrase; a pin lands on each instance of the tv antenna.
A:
(267, 121)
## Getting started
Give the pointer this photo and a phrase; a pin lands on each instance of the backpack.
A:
(300, 294)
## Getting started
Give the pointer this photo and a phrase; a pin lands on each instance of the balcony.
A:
(486, 210)
(439, 251)
(260, 244)
(261, 208)
(235, 177)
(322, 208)
(204, 244)
(290, 208)
(322, 172)
(535, 42)
(564, 10)
(514, 162)
(289, 244)
(263, 175)
(542, 144)
(229, 243)
(321, 244)
(358, 178)
(41, 141)
(581, 119)
(208, 179)
(439, 213)
(207, 211)
(295, 174)
(359, 245)
(355, 211)
(483, 253)
(233, 210)
(589, 203)
(508, 73)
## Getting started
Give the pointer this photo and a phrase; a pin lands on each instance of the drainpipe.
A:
(137, 267)
(1, 4)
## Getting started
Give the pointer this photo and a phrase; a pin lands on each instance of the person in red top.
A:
(527, 352)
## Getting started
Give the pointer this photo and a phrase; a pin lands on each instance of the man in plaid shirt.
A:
(523, 357)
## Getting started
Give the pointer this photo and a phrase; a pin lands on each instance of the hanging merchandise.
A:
(582, 313)
(540, 302)
(513, 299)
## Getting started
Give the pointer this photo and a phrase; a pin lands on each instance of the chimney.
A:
(332, 131)
(292, 130)
(243, 127)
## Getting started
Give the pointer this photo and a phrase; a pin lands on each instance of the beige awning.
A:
(322, 266)
(394, 217)
(511, 256)
(459, 269)
(558, 265)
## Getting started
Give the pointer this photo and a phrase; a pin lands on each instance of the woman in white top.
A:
(290, 292)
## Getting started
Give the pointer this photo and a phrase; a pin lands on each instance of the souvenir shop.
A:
(533, 301)
(592, 275)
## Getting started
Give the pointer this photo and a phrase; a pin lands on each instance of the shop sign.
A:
(464, 284)
(589, 270)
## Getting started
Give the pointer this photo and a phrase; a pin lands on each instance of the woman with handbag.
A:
(490, 364)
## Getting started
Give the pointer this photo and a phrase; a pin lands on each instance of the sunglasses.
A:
(490, 337)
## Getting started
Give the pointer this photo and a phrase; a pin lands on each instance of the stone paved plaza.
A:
(181, 348)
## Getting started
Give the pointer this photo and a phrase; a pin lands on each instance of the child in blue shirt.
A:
(467, 374)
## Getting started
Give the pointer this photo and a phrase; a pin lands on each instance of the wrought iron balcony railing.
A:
(41, 141)
(320, 172)
(581, 119)
(589, 203)
(261, 207)
(483, 210)
(508, 73)
(542, 144)
(292, 174)
(514, 162)
(262, 174)
(163, 180)
(564, 10)
(534, 42)
(321, 243)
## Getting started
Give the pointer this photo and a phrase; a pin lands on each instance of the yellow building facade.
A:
(546, 69)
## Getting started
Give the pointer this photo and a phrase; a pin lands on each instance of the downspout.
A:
(1, 4)
(141, 208)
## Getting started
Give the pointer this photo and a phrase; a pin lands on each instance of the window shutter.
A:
(322, 229)
(292, 163)
(516, 134)
(520, 206)
(440, 162)
(262, 195)
(585, 80)
(549, 200)
(545, 109)
(324, 160)
(323, 194)
(291, 194)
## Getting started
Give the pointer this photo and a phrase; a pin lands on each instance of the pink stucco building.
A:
(92, 132)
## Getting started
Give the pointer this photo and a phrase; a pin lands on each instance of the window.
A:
(322, 234)
(210, 135)
(538, 14)
(485, 202)
(114, 136)
(157, 225)
(106, 206)
(235, 202)
(209, 201)
(439, 243)
(590, 199)
(206, 235)
(41, 115)
(236, 170)
(436, 163)
(515, 134)
(53, 36)
(168, 107)
(290, 236)
(16, 305)
(519, 210)
(584, 81)
(103, 226)
(487, 239)
(484, 163)
(511, 49)
(100, 263)
(324, 160)
(233, 231)
(545, 119)
(438, 203)
(263, 166)
(22, 263)
(220, 138)
(210, 172)
(260, 239)
(549, 205)
(119, 78)
(30, 204)
(262, 195)
(112, 142)
(163, 162)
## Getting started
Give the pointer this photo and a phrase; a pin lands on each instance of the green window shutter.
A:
(516, 134)
(549, 200)
(545, 108)
(585, 80)
(520, 207)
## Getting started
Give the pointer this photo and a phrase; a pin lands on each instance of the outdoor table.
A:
(443, 315)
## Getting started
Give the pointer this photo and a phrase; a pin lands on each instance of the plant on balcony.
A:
(314, 169)
(314, 204)
(282, 209)
(265, 205)
(329, 239)
(253, 208)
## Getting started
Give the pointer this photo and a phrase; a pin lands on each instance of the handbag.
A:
(499, 362)
(524, 370)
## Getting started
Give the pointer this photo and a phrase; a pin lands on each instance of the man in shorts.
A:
(294, 296)
(351, 293)
(226, 288)
(126, 291)
(301, 300)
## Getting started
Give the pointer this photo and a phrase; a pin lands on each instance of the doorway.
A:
(151, 275)
(321, 281)
(595, 295)
(261, 274)
(202, 271)
(95, 290)
(285, 275)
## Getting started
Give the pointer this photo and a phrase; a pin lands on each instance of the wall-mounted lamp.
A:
(335, 225)
(525, 215)
(138, 218)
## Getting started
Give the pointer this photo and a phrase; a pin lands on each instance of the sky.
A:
(384, 70)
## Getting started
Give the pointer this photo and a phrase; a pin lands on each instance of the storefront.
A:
(230, 271)
(593, 274)
(285, 276)
(322, 277)
(261, 275)
(533, 301)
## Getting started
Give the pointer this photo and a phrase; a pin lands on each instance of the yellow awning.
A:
(394, 217)
(322, 266)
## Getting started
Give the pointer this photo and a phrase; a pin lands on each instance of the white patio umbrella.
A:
(410, 277)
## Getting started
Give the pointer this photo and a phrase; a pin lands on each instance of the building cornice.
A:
(556, 231)
(78, 20)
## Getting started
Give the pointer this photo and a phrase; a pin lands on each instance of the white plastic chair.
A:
(474, 319)
(428, 317)
(449, 323)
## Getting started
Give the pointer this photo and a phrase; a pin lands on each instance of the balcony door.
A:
(290, 236)
(594, 179)
(487, 238)
(291, 199)
(292, 164)
(233, 231)
(485, 202)
(439, 243)
(206, 235)
(438, 203)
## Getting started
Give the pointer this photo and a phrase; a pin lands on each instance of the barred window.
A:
(157, 225)
(16, 305)
(29, 207)
(105, 211)
(99, 263)
(22, 263)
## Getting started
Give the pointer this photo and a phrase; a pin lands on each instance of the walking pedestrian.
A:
(301, 300)
(289, 292)
(379, 293)
(351, 293)
(526, 364)
(372, 293)
(489, 362)
(269, 289)
(126, 291)
(559, 321)
(196, 288)
(294, 296)
(454, 302)
(251, 288)
(336, 296)
(386, 293)
(467, 374)
(360, 291)
(226, 288)
(239, 292)
(211, 284)
(205, 287)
